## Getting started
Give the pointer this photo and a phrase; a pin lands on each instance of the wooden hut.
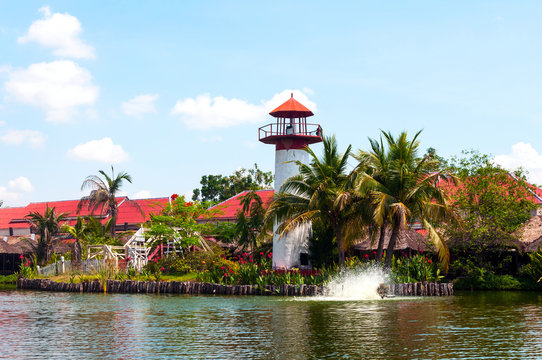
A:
(9, 258)
(531, 237)
(410, 242)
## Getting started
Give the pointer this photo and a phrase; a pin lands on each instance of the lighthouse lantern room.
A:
(290, 134)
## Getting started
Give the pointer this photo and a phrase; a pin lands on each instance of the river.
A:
(480, 325)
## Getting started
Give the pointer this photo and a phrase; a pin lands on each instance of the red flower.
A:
(21, 257)
(174, 196)
(261, 254)
(366, 255)
(269, 255)
(189, 204)
(374, 252)
(250, 260)
(231, 271)
(429, 261)
(128, 258)
(162, 269)
(222, 267)
(225, 274)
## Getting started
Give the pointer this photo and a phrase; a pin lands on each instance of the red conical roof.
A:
(291, 109)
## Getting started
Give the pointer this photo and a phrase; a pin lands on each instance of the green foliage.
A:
(178, 221)
(487, 280)
(8, 279)
(493, 204)
(47, 225)
(26, 270)
(533, 270)
(417, 268)
(217, 188)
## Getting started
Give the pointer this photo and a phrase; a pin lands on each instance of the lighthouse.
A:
(290, 134)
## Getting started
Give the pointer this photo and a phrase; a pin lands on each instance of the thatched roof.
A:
(6, 248)
(23, 244)
(531, 238)
(408, 239)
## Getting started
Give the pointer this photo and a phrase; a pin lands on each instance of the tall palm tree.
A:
(48, 225)
(319, 193)
(403, 188)
(103, 194)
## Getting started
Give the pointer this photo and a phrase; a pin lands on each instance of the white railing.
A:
(65, 266)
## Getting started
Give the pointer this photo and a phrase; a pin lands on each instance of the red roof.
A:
(291, 109)
(15, 217)
(228, 209)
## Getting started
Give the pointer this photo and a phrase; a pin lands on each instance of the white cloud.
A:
(33, 138)
(59, 32)
(58, 87)
(2, 122)
(15, 189)
(204, 112)
(143, 194)
(525, 156)
(210, 139)
(100, 151)
(139, 105)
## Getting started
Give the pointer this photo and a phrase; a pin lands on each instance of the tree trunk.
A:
(393, 239)
(380, 248)
(340, 247)
(113, 222)
(76, 254)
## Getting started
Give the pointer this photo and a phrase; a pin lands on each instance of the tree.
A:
(319, 194)
(403, 188)
(103, 195)
(80, 234)
(492, 202)
(48, 225)
(217, 188)
(249, 227)
(179, 222)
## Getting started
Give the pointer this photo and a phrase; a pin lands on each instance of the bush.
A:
(415, 269)
(533, 270)
(488, 281)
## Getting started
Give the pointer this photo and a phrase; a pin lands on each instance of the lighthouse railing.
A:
(295, 128)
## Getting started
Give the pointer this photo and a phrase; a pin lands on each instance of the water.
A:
(360, 284)
(485, 325)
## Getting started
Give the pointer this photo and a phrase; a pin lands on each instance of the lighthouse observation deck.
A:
(295, 130)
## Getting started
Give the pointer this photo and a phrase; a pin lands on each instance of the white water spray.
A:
(358, 284)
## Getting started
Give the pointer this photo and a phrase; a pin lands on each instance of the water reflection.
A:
(475, 326)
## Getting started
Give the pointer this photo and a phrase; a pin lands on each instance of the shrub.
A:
(415, 269)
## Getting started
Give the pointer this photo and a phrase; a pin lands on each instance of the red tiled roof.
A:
(228, 209)
(15, 217)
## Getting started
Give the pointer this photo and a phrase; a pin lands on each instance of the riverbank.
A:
(188, 287)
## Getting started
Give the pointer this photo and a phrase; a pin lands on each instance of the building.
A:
(13, 221)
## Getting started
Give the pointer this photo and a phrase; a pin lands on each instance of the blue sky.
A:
(172, 90)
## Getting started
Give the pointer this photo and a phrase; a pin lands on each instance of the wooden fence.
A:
(188, 287)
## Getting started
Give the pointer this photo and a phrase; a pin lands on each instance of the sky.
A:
(169, 91)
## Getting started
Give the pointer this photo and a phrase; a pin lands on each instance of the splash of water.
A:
(357, 284)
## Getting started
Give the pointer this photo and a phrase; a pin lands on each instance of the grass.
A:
(69, 278)
(8, 279)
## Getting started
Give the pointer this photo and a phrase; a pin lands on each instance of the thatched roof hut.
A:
(408, 240)
(22, 243)
(531, 237)
(6, 248)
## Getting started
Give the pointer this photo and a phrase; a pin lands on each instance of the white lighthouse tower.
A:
(290, 135)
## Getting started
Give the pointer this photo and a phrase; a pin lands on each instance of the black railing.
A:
(290, 129)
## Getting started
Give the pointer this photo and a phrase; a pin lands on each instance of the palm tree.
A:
(80, 233)
(48, 225)
(103, 195)
(403, 188)
(319, 193)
